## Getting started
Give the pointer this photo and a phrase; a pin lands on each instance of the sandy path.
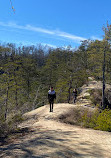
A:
(52, 139)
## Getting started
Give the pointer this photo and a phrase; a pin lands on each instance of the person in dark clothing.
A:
(51, 97)
(74, 94)
(107, 103)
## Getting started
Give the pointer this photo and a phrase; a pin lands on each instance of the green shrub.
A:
(89, 118)
(96, 120)
(104, 121)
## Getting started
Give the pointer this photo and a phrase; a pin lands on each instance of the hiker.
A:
(51, 97)
(107, 103)
(74, 94)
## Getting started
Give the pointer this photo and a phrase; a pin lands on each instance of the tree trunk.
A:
(6, 102)
(103, 90)
(16, 95)
(28, 84)
(16, 90)
(69, 90)
(36, 97)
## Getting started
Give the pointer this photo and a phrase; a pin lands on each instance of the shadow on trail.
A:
(50, 143)
(16, 133)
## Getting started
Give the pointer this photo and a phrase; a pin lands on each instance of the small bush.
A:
(104, 121)
(97, 120)
(10, 125)
(84, 117)
(72, 117)
(15, 120)
(89, 118)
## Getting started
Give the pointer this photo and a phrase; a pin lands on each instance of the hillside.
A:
(92, 85)
(48, 137)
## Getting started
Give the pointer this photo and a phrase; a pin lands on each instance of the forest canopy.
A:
(27, 72)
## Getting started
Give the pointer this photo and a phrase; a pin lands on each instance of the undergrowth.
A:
(84, 117)
(9, 125)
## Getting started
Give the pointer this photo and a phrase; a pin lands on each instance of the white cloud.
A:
(37, 29)
(70, 36)
(56, 33)
(63, 35)
(49, 45)
(96, 38)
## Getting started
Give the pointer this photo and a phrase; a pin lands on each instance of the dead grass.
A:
(74, 116)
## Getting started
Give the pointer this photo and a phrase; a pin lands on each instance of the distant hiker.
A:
(107, 103)
(74, 95)
(51, 97)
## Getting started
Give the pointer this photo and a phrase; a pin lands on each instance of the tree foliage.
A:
(26, 72)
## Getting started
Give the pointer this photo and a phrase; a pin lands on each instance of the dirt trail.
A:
(50, 138)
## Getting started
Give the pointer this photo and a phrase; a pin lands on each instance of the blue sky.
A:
(54, 22)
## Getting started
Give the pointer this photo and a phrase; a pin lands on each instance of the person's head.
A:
(51, 88)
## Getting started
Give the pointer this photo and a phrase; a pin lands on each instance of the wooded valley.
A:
(27, 72)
